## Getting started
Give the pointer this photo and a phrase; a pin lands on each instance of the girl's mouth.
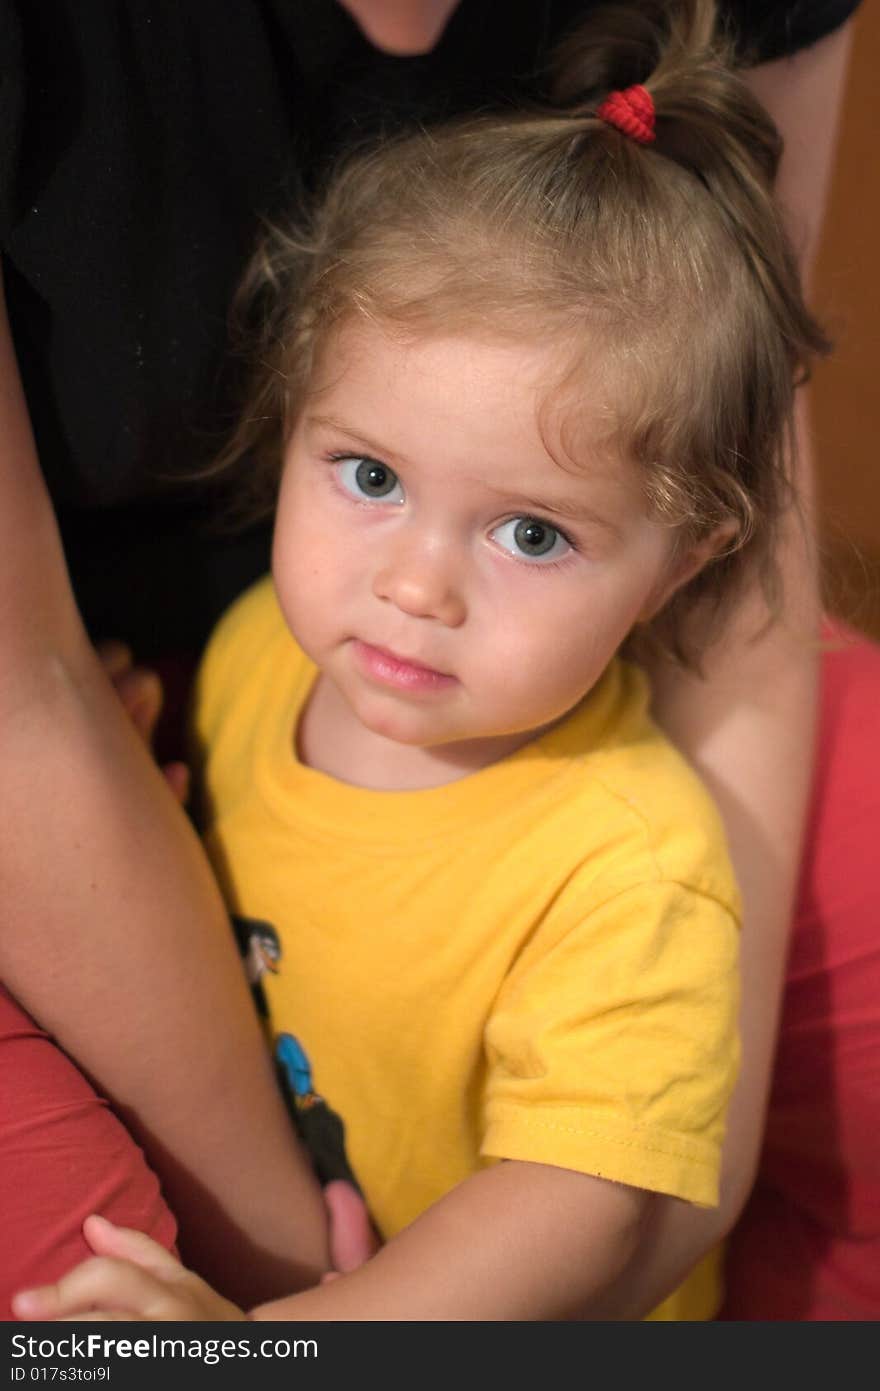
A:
(402, 673)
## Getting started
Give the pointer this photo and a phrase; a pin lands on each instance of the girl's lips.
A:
(390, 670)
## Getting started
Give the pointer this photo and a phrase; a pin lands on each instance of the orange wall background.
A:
(846, 404)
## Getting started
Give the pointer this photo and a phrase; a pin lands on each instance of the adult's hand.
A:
(140, 692)
(353, 1239)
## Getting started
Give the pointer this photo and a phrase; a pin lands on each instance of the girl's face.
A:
(455, 583)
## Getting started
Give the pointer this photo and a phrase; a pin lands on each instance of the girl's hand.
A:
(130, 1277)
(140, 692)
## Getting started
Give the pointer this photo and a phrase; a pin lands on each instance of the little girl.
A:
(528, 383)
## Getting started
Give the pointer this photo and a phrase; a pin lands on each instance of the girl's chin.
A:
(409, 734)
(469, 748)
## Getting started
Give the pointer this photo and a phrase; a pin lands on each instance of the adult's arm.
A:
(112, 931)
(750, 725)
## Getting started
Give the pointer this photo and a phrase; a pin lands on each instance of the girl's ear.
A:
(685, 565)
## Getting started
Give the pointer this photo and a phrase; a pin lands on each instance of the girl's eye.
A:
(367, 478)
(531, 539)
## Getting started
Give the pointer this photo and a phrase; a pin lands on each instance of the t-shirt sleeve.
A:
(11, 111)
(612, 1048)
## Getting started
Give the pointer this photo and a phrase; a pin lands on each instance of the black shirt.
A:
(140, 141)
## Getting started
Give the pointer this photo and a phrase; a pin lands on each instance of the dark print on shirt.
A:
(260, 948)
(321, 1130)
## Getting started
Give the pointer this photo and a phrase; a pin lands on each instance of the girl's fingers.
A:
(102, 1316)
(129, 1272)
(130, 1275)
(97, 1284)
(126, 1244)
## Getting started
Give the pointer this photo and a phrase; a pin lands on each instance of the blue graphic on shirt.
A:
(321, 1130)
(291, 1056)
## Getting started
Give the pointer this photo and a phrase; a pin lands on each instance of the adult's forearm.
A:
(113, 935)
(112, 932)
(749, 728)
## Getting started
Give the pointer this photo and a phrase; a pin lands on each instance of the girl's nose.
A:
(423, 581)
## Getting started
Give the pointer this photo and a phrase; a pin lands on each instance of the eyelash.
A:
(544, 566)
(344, 455)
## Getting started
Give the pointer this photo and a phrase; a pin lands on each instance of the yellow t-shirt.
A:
(536, 962)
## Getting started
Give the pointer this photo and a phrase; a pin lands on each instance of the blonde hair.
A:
(668, 262)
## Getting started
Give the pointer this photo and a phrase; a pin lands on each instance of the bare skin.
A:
(253, 1216)
(94, 837)
(514, 1242)
(749, 727)
(54, 699)
(402, 26)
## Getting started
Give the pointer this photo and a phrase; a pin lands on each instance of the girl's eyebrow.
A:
(573, 508)
(328, 422)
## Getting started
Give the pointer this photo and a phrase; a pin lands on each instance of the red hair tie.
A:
(631, 111)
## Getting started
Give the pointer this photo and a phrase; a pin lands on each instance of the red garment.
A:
(63, 1155)
(808, 1244)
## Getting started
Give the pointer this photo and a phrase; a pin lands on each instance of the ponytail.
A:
(705, 120)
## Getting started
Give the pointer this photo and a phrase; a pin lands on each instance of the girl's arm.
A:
(749, 727)
(112, 932)
(517, 1241)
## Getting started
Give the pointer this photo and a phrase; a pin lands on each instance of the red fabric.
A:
(808, 1245)
(63, 1155)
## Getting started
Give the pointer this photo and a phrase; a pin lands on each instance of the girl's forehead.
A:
(558, 381)
(467, 399)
